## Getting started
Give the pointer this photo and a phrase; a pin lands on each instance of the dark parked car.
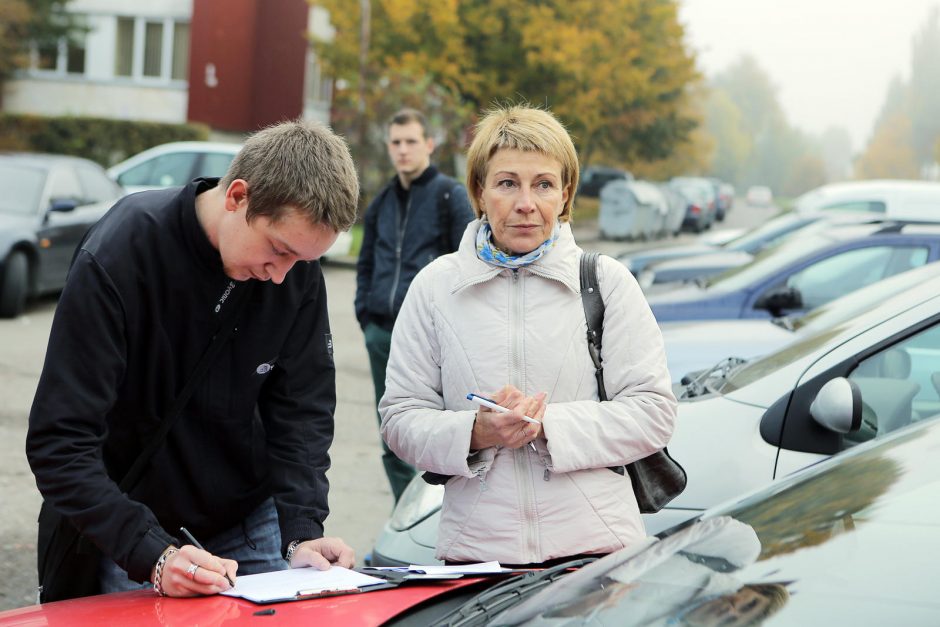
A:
(47, 205)
(593, 178)
(701, 198)
(803, 273)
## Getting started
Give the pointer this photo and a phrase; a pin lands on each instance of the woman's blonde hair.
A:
(526, 128)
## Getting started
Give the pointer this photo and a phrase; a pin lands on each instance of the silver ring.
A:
(191, 571)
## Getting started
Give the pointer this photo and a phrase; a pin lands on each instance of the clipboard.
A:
(297, 584)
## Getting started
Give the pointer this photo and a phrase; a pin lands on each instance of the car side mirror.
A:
(838, 406)
(63, 204)
(780, 299)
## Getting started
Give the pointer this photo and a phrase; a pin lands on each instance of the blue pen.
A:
(485, 402)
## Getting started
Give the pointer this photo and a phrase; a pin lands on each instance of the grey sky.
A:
(830, 60)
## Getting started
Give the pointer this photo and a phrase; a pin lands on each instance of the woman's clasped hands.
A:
(508, 429)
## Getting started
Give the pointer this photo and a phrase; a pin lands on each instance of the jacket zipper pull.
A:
(546, 475)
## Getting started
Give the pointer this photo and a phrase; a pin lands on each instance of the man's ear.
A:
(236, 194)
(430, 145)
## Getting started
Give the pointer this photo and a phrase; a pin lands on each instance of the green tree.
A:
(21, 22)
(616, 73)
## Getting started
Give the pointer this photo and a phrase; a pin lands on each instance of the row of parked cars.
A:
(644, 210)
(50, 201)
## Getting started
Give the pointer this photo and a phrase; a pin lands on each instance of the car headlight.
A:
(419, 500)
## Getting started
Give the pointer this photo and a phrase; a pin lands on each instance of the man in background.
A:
(419, 215)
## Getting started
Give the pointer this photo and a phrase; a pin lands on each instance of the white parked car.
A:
(177, 163)
(759, 196)
(906, 200)
(748, 425)
(173, 164)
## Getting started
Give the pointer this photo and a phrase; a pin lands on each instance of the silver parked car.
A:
(173, 164)
(47, 205)
(742, 426)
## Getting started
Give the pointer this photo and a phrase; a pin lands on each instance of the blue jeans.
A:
(255, 545)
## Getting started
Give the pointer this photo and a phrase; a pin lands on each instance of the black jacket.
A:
(138, 310)
(401, 235)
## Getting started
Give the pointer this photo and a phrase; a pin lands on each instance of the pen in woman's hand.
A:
(485, 402)
(195, 543)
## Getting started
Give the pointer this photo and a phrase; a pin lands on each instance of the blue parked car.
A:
(804, 273)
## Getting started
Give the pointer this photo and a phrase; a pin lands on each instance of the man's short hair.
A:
(525, 128)
(407, 116)
(300, 165)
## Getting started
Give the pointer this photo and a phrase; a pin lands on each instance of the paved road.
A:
(360, 500)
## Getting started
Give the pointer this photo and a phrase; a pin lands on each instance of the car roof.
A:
(43, 159)
(878, 189)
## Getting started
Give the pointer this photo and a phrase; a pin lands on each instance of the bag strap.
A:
(593, 316)
(225, 329)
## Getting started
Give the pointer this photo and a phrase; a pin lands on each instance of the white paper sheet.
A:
(464, 569)
(286, 584)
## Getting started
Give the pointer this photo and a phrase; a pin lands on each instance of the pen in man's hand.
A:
(196, 544)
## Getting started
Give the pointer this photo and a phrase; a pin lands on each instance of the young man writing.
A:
(244, 466)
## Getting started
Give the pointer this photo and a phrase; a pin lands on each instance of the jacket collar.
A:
(561, 263)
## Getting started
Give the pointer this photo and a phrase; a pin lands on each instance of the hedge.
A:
(99, 139)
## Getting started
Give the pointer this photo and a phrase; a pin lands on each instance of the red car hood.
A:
(144, 608)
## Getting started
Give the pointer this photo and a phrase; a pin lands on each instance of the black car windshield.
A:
(812, 547)
(22, 188)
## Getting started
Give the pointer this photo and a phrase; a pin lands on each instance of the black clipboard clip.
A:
(330, 592)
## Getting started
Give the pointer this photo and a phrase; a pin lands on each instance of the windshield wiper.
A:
(482, 608)
(697, 384)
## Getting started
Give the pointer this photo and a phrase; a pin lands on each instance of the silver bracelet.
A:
(290, 549)
(158, 569)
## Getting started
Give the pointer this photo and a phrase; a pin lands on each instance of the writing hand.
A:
(179, 579)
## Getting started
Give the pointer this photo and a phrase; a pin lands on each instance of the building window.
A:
(61, 57)
(151, 49)
(124, 47)
(47, 57)
(180, 52)
(74, 58)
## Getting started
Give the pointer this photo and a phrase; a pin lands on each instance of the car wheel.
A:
(13, 284)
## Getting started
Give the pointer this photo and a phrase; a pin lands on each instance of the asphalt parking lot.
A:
(360, 499)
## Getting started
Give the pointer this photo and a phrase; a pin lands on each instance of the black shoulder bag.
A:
(68, 562)
(658, 478)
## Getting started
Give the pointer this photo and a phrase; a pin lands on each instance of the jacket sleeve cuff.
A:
(299, 529)
(142, 559)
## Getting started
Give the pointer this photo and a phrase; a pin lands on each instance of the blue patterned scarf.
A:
(488, 252)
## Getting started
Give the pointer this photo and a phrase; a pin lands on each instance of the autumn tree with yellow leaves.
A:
(617, 73)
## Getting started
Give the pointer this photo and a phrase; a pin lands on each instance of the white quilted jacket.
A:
(466, 326)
